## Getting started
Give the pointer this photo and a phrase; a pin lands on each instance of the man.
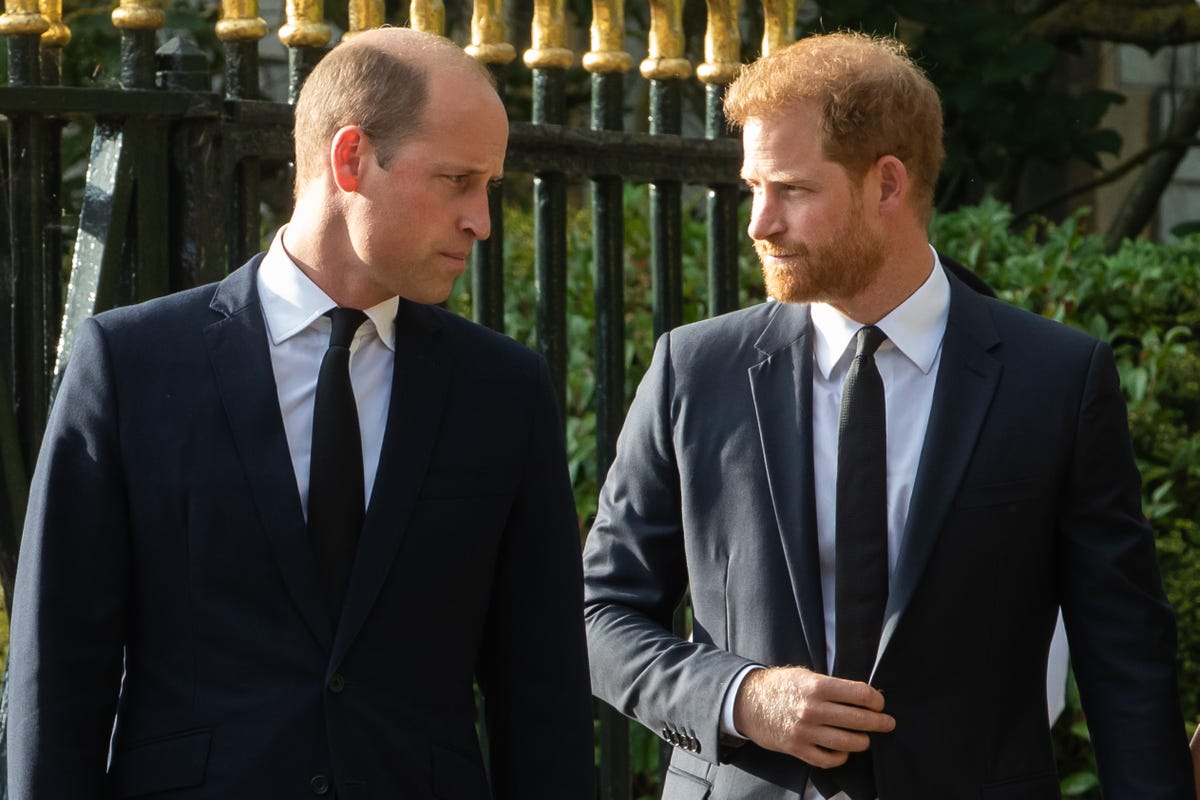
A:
(269, 657)
(872, 609)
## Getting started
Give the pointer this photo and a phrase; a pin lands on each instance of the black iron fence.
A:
(174, 188)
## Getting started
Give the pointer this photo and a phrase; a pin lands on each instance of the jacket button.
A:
(337, 683)
(319, 784)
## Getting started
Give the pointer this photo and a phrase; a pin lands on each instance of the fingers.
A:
(855, 693)
(820, 757)
(855, 718)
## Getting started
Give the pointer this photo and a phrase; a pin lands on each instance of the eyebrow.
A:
(776, 176)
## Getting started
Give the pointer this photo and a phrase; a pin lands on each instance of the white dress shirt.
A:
(908, 364)
(298, 336)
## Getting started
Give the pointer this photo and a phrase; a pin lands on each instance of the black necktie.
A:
(335, 487)
(861, 549)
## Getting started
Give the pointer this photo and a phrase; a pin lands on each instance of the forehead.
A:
(464, 120)
(785, 141)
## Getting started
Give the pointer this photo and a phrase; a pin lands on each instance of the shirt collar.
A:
(291, 301)
(915, 327)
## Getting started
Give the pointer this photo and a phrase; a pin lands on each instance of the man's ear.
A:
(349, 152)
(894, 183)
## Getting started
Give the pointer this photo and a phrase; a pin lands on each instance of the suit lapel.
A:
(241, 360)
(781, 386)
(420, 383)
(966, 382)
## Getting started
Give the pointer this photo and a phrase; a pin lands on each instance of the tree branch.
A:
(1112, 175)
(1142, 200)
(1150, 27)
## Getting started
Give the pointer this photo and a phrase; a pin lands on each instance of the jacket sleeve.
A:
(1120, 627)
(72, 592)
(533, 670)
(635, 575)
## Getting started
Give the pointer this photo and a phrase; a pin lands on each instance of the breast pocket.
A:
(1007, 494)
(463, 481)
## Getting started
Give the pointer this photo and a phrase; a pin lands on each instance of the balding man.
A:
(281, 526)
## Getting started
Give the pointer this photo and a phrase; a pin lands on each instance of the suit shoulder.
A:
(480, 344)
(158, 314)
(1017, 325)
(159, 310)
(733, 330)
(1035, 339)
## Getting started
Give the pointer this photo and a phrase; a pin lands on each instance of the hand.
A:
(810, 716)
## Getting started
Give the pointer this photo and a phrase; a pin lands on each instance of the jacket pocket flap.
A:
(177, 761)
(456, 776)
(1040, 787)
(681, 785)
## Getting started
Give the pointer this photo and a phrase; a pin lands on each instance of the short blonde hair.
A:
(378, 81)
(872, 98)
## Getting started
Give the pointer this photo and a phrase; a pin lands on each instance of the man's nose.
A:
(477, 218)
(764, 217)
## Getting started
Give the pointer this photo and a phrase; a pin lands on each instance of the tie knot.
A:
(346, 322)
(868, 340)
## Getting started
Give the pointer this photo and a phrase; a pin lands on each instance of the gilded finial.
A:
(779, 25)
(489, 34)
(58, 34)
(608, 39)
(549, 36)
(722, 43)
(22, 17)
(305, 24)
(240, 22)
(138, 15)
(428, 16)
(666, 60)
(364, 15)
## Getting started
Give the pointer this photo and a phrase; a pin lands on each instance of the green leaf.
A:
(1079, 783)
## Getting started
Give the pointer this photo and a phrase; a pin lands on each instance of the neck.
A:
(318, 241)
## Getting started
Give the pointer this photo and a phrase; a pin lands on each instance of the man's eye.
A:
(457, 180)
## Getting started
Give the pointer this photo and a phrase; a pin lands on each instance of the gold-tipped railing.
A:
(22, 18)
(240, 22)
(305, 25)
(306, 28)
(608, 39)
(549, 36)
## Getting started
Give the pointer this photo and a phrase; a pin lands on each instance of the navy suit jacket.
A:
(1026, 497)
(165, 539)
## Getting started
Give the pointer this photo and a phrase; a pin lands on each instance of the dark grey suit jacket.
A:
(165, 536)
(1026, 498)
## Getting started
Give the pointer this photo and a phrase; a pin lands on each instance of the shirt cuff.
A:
(727, 726)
